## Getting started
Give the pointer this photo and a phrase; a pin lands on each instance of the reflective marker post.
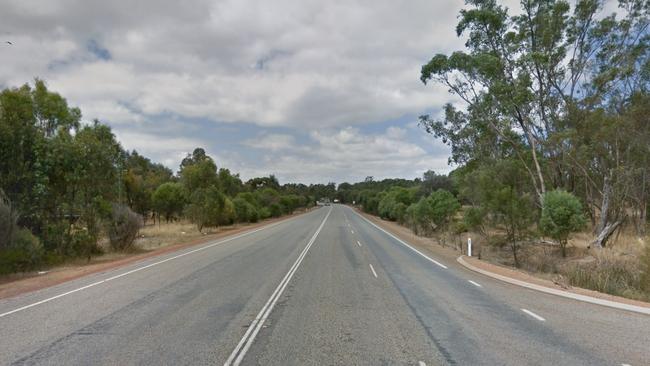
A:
(469, 247)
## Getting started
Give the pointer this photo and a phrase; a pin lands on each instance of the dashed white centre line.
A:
(358, 243)
(533, 315)
(420, 363)
(474, 283)
(373, 270)
(625, 364)
(352, 231)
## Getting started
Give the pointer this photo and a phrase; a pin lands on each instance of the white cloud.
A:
(324, 69)
(272, 142)
(347, 154)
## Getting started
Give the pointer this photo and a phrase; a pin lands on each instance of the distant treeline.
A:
(64, 185)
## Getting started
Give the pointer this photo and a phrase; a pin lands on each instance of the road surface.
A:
(323, 288)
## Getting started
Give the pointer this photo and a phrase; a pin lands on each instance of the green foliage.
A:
(433, 213)
(65, 178)
(443, 206)
(474, 219)
(141, 178)
(23, 252)
(198, 171)
(561, 216)
(210, 208)
(8, 221)
(244, 210)
(169, 200)
(394, 202)
(123, 227)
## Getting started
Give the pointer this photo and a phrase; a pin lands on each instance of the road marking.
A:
(352, 231)
(373, 270)
(359, 244)
(404, 243)
(474, 283)
(137, 270)
(420, 363)
(244, 344)
(533, 315)
(625, 364)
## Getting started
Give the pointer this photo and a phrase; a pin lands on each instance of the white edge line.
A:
(474, 283)
(403, 242)
(139, 269)
(533, 315)
(552, 291)
(373, 270)
(244, 344)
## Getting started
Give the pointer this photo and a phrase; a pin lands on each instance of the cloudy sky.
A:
(312, 91)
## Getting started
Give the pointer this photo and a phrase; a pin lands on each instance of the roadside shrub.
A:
(561, 216)
(124, 227)
(228, 212)
(264, 213)
(275, 210)
(24, 253)
(253, 214)
(244, 211)
(209, 207)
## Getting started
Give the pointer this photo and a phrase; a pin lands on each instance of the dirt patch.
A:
(16, 284)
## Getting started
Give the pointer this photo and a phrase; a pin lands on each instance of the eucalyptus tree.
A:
(527, 83)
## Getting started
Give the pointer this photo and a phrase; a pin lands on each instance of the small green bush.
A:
(561, 216)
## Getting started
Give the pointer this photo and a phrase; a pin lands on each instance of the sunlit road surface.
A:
(323, 288)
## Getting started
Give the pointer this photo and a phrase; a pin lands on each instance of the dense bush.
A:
(24, 253)
(394, 203)
(561, 216)
(8, 219)
(123, 227)
(209, 207)
(169, 199)
(432, 213)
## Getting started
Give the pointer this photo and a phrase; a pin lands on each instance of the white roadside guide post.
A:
(469, 247)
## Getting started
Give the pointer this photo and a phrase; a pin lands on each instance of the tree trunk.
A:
(605, 234)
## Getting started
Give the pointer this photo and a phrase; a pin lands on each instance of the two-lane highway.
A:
(326, 287)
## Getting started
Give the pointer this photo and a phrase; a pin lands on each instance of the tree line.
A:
(553, 98)
(65, 185)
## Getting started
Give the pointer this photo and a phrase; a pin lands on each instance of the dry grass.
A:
(617, 269)
(163, 234)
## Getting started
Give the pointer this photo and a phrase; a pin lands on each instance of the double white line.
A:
(244, 344)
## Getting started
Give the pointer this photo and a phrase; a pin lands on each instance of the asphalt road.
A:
(324, 288)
